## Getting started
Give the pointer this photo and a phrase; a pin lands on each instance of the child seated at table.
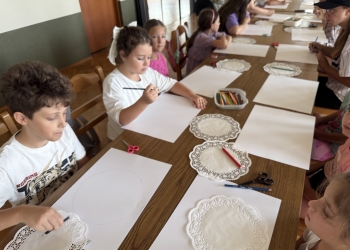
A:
(234, 16)
(339, 164)
(132, 86)
(36, 217)
(332, 89)
(328, 218)
(328, 134)
(45, 152)
(205, 39)
(156, 31)
(330, 31)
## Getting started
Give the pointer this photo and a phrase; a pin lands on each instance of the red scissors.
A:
(131, 148)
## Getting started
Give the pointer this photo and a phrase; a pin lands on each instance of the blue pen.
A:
(251, 188)
(313, 45)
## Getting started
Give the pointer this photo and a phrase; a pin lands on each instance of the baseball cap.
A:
(330, 4)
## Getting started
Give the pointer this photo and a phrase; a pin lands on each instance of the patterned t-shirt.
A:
(29, 175)
(342, 64)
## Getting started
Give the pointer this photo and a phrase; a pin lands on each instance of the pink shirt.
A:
(341, 162)
(160, 65)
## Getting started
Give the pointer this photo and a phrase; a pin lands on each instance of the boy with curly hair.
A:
(45, 152)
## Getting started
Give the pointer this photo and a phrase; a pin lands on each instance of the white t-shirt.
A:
(343, 66)
(116, 98)
(310, 240)
(29, 175)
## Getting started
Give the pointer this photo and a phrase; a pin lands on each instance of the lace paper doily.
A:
(233, 65)
(244, 40)
(276, 69)
(223, 222)
(265, 23)
(210, 161)
(214, 127)
(71, 236)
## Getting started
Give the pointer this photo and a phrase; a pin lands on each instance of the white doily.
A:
(227, 223)
(233, 65)
(214, 127)
(277, 69)
(265, 23)
(210, 161)
(71, 236)
(244, 40)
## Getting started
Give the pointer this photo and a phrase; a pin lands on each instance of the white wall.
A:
(15, 14)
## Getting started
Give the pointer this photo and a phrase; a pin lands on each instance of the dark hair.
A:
(29, 86)
(238, 7)
(205, 20)
(341, 200)
(153, 23)
(128, 39)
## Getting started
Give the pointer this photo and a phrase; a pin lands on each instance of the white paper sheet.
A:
(278, 135)
(295, 53)
(166, 118)
(309, 35)
(282, 6)
(173, 236)
(306, 7)
(293, 93)
(206, 80)
(275, 17)
(111, 195)
(257, 30)
(245, 49)
(310, 17)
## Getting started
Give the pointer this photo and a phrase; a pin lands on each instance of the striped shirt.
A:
(342, 64)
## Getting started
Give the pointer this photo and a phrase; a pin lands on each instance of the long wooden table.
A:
(288, 180)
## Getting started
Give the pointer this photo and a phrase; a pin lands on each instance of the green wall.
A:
(60, 42)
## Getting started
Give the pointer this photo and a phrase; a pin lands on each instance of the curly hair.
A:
(128, 39)
(29, 86)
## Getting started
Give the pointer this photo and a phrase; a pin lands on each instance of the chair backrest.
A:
(81, 82)
(7, 127)
(6, 118)
(179, 38)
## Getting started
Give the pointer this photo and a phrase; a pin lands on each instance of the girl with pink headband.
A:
(205, 39)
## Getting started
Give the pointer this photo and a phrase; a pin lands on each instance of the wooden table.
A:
(288, 180)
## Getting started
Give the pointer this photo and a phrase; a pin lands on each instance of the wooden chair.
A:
(7, 127)
(6, 118)
(80, 83)
(181, 33)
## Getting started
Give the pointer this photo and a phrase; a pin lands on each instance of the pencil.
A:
(47, 232)
(134, 88)
(251, 188)
(313, 45)
(232, 158)
(282, 68)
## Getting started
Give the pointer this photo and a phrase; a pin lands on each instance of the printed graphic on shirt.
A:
(39, 186)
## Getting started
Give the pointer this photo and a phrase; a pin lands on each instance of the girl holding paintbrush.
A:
(332, 89)
(133, 85)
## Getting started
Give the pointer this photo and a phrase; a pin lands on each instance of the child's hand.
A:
(41, 218)
(198, 101)
(314, 47)
(317, 11)
(322, 61)
(270, 12)
(150, 94)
